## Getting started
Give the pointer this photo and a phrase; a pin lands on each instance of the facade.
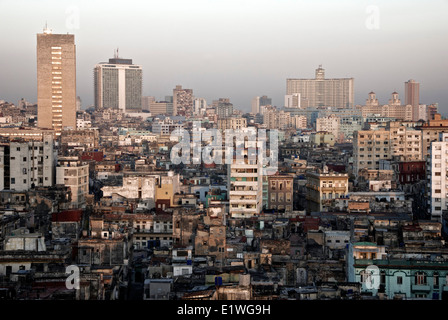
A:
(56, 81)
(404, 278)
(396, 141)
(255, 105)
(224, 108)
(412, 93)
(322, 92)
(431, 131)
(438, 176)
(245, 185)
(118, 85)
(298, 122)
(280, 192)
(74, 173)
(394, 109)
(292, 100)
(200, 106)
(328, 124)
(323, 186)
(161, 108)
(27, 164)
(234, 123)
(182, 101)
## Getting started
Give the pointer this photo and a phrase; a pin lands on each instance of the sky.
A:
(236, 49)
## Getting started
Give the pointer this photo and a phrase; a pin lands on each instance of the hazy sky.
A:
(237, 49)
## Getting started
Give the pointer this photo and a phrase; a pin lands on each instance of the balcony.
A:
(421, 287)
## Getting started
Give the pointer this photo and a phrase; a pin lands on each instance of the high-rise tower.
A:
(56, 81)
(118, 85)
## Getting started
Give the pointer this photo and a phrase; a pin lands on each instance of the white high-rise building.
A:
(24, 164)
(438, 179)
(245, 183)
(118, 85)
(292, 100)
(199, 106)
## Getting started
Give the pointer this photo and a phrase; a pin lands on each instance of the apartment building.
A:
(233, 123)
(74, 173)
(438, 177)
(27, 164)
(329, 124)
(280, 192)
(323, 186)
(321, 91)
(245, 183)
(396, 141)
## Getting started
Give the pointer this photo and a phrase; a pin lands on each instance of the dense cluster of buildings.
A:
(355, 208)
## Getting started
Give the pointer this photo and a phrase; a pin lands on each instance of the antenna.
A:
(46, 29)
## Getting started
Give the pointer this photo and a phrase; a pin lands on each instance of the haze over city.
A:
(237, 49)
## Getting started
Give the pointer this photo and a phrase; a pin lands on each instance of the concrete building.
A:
(223, 108)
(118, 85)
(292, 100)
(234, 123)
(56, 81)
(323, 186)
(322, 92)
(402, 279)
(393, 109)
(74, 173)
(280, 192)
(328, 124)
(146, 102)
(182, 101)
(199, 106)
(166, 126)
(144, 186)
(438, 176)
(161, 108)
(298, 122)
(27, 164)
(245, 184)
(395, 141)
(412, 93)
(431, 131)
(255, 105)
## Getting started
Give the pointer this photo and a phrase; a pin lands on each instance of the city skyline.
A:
(232, 49)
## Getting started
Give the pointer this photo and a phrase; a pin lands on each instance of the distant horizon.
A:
(237, 49)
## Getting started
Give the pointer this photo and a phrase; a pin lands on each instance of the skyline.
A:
(220, 52)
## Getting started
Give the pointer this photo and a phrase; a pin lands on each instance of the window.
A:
(436, 279)
(13, 180)
(399, 280)
(420, 278)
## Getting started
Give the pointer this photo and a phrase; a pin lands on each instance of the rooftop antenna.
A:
(46, 29)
